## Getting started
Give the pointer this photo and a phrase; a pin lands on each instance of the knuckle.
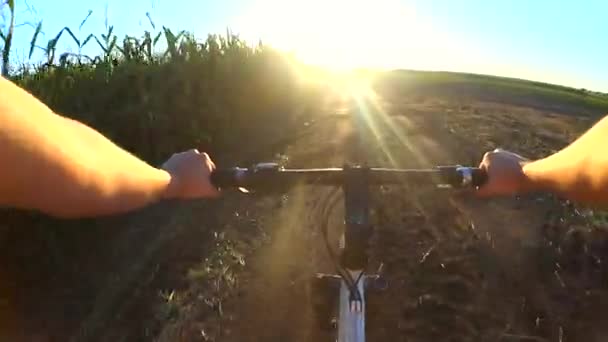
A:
(492, 155)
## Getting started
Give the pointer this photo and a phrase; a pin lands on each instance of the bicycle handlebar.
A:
(271, 176)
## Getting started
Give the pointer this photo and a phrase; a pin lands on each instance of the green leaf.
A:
(85, 19)
(156, 38)
(56, 39)
(112, 44)
(72, 35)
(107, 36)
(34, 38)
(103, 47)
(150, 20)
(11, 5)
(169, 36)
(86, 40)
(122, 51)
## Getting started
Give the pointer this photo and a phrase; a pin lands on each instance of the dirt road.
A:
(459, 268)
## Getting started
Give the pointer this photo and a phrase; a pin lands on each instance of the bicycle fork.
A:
(350, 312)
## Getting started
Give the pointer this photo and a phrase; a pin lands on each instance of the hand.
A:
(505, 173)
(190, 175)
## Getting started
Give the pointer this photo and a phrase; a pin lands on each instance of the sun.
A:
(342, 34)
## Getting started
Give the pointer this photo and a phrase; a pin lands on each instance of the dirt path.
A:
(457, 266)
(239, 269)
(275, 305)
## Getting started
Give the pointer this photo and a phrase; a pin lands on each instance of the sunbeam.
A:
(370, 116)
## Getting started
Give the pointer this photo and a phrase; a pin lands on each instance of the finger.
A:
(209, 165)
(206, 157)
(482, 160)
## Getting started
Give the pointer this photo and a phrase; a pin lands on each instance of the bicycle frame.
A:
(358, 229)
(355, 183)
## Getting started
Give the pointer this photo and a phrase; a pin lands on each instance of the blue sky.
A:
(564, 42)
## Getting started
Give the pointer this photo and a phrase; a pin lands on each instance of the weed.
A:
(217, 273)
(169, 308)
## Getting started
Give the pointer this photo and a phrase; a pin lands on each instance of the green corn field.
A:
(217, 93)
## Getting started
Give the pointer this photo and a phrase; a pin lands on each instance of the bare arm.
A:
(578, 172)
(65, 168)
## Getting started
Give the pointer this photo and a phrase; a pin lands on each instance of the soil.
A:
(459, 268)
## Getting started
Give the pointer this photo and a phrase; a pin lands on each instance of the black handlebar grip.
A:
(480, 176)
(224, 178)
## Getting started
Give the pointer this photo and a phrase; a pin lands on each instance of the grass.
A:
(220, 271)
(548, 95)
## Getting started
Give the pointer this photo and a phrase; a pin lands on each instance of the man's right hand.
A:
(505, 174)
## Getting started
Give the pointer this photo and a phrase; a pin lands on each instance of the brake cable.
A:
(342, 272)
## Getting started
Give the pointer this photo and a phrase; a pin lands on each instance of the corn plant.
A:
(172, 42)
(109, 43)
(7, 37)
(142, 51)
(148, 44)
(154, 102)
(51, 45)
(130, 49)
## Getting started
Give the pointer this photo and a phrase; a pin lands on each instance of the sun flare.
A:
(345, 37)
(342, 34)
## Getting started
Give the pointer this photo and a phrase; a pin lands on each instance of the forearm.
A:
(106, 179)
(578, 172)
(65, 168)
